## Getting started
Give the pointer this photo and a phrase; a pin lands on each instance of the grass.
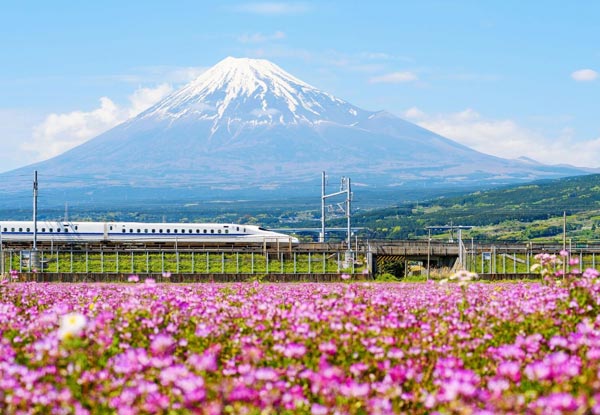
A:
(183, 263)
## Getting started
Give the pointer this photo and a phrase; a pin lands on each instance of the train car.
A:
(136, 232)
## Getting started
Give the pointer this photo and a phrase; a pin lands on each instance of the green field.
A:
(183, 262)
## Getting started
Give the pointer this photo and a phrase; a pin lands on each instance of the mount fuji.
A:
(248, 124)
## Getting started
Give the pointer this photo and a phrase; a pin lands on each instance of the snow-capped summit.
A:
(255, 91)
(246, 123)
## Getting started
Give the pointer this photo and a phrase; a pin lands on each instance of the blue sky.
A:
(509, 78)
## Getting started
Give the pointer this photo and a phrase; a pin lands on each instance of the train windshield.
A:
(260, 228)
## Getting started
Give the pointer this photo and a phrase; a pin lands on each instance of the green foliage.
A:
(395, 268)
(386, 278)
(527, 212)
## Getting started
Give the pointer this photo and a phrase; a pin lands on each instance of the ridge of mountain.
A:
(248, 125)
(504, 213)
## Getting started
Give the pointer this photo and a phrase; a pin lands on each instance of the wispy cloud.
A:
(394, 78)
(15, 127)
(507, 138)
(584, 75)
(260, 38)
(276, 51)
(272, 8)
(156, 74)
(60, 132)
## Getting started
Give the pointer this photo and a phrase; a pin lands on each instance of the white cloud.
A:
(394, 78)
(15, 127)
(260, 38)
(60, 132)
(155, 74)
(272, 8)
(144, 98)
(182, 75)
(414, 113)
(506, 138)
(584, 75)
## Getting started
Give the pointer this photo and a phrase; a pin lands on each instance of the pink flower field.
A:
(347, 348)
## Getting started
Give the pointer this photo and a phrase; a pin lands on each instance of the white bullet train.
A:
(82, 232)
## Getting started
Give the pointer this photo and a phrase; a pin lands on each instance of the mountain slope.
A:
(247, 123)
(503, 213)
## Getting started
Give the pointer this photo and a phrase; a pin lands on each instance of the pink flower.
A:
(317, 409)
(345, 277)
(161, 344)
(133, 278)
(293, 350)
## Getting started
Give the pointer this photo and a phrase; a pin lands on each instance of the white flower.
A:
(71, 325)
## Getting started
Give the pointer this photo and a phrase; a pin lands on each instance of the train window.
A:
(76, 227)
(4, 230)
(138, 231)
(226, 230)
(111, 227)
(145, 230)
(66, 229)
(168, 230)
(27, 229)
(123, 231)
(204, 230)
(197, 230)
(160, 231)
(212, 231)
(237, 228)
(190, 231)
(20, 229)
(57, 229)
(12, 229)
(50, 230)
(153, 230)
(244, 230)
(130, 230)
(43, 229)
(174, 230)
(219, 230)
